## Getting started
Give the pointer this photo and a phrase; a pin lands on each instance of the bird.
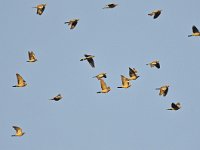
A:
(72, 23)
(154, 63)
(112, 5)
(104, 87)
(18, 131)
(175, 106)
(163, 90)
(195, 32)
(125, 82)
(20, 81)
(57, 98)
(133, 74)
(40, 8)
(101, 75)
(89, 58)
(32, 57)
(155, 13)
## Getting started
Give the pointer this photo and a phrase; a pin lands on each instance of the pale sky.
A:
(123, 119)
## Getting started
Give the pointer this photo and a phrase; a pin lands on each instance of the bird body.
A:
(32, 57)
(112, 5)
(155, 13)
(18, 131)
(195, 32)
(163, 90)
(101, 75)
(20, 81)
(72, 23)
(104, 87)
(125, 82)
(154, 64)
(175, 106)
(57, 98)
(40, 8)
(133, 74)
(89, 58)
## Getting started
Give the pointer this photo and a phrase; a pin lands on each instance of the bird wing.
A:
(165, 91)
(20, 80)
(125, 81)
(33, 55)
(132, 72)
(18, 130)
(194, 29)
(157, 14)
(103, 84)
(91, 62)
(157, 65)
(29, 55)
(73, 24)
(174, 106)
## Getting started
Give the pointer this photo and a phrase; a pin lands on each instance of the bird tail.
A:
(157, 89)
(13, 135)
(119, 87)
(66, 22)
(99, 92)
(150, 14)
(104, 7)
(189, 35)
(169, 109)
(34, 7)
(14, 86)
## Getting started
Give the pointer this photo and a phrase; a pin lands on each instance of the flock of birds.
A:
(163, 90)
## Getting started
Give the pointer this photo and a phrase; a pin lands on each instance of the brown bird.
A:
(18, 131)
(72, 23)
(155, 13)
(174, 106)
(133, 74)
(195, 32)
(101, 75)
(154, 64)
(104, 87)
(20, 81)
(40, 8)
(32, 57)
(125, 82)
(57, 98)
(112, 5)
(89, 58)
(163, 90)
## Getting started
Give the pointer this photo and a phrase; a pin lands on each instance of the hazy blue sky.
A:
(123, 119)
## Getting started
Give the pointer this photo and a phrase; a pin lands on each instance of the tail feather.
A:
(120, 87)
(99, 92)
(189, 35)
(169, 109)
(157, 89)
(14, 86)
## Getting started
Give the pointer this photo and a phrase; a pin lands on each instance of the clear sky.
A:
(123, 119)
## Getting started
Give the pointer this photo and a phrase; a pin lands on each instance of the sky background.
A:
(128, 119)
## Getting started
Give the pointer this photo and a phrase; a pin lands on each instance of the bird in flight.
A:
(101, 75)
(32, 57)
(89, 58)
(20, 81)
(125, 82)
(155, 13)
(72, 23)
(40, 8)
(163, 90)
(154, 64)
(18, 131)
(175, 106)
(133, 74)
(112, 5)
(195, 32)
(57, 98)
(104, 87)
